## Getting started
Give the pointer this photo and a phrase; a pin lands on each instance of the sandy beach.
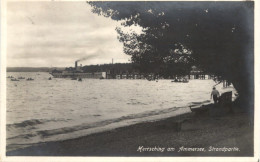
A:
(213, 133)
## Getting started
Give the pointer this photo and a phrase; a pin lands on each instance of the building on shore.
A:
(196, 73)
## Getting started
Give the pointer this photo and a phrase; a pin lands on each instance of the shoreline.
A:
(217, 130)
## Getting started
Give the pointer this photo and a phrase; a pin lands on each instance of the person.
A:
(215, 94)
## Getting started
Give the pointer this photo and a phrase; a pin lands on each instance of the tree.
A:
(215, 36)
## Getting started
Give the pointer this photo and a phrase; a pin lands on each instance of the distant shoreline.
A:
(32, 69)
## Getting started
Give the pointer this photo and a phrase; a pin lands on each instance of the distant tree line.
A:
(165, 71)
(115, 68)
(32, 69)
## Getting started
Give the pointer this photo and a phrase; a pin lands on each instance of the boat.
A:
(29, 79)
(80, 80)
(49, 78)
(15, 79)
(185, 81)
(177, 81)
(200, 108)
(21, 77)
(180, 80)
(76, 72)
(10, 77)
(150, 79)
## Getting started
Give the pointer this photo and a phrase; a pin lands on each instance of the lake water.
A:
(49, 110)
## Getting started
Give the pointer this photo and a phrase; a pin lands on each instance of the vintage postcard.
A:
(128, 81)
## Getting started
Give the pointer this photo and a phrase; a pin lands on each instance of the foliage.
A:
(215, 36)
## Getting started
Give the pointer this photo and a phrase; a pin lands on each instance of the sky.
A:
(56, 34)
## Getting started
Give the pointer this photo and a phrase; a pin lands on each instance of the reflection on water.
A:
(48, 110)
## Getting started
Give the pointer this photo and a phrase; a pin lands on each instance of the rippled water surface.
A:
(48, 110)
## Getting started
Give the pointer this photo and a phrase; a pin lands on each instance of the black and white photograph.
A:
(129, 79)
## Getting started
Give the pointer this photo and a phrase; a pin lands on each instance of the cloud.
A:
(58, 33)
